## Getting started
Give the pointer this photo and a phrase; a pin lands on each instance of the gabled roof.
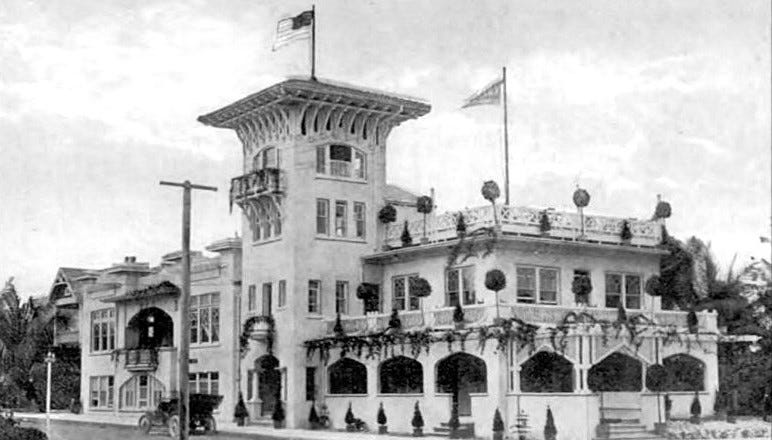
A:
(399, 196)
(72, 278)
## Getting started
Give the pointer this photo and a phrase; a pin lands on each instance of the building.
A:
(129, 329)
(313, 184)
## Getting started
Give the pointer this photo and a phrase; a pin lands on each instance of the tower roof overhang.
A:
(295, 92)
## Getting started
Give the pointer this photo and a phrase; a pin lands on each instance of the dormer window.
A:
(268, 157)
(340, 161)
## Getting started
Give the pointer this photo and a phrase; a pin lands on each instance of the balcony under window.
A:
(149, 330)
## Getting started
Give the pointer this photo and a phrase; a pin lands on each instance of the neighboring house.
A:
(314, 181)
(67, 295)
(130, 331)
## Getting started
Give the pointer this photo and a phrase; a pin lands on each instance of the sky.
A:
(99, 99)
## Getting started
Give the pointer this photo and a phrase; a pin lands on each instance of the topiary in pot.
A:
(313, 417)
(550, 432)
(338, 328)
(498, 426)
(240, 413)
(695, 409)
(368, 293)
(394, 322)
(544, 223)
(458, 316)
(692, 322)
(387, 215)
(656, 380)
(662, 210)
(454, 423)
(417, 422)
(653, 286)
(406, 238)
(420, 288)
(278, 415)
(490, 192)
(626, 234)
(460, 225)
(350, 419)
(382, 428)
(424, 205)
(581, 286)
(496, 281)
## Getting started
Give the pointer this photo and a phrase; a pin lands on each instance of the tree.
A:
(490, 192)
(368, 293)
(460, 225)
(406, 238)
(550, 432)
(581, 286)
(420, 288)
(240, 413)
(498, 422)
(424, 205)
(544, 223)
(417, 421)
(496, 281)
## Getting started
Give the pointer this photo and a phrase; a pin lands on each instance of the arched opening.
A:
(461, 374)
(684, 372)
(347, 376)
(150, 328)
(547, 372)
(401, 375)
(268, 383)
(617, 372)
(266, 219)
(141, 392)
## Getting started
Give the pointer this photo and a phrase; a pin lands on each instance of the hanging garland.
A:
(478, 243)
(246, 330)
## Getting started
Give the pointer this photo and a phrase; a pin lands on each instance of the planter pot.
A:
(458, 325)
(498, 435)
(351, 428)
(383, 429)
(694, 420)
(731, 418)
(278, 424)
(240, 421)
(418, 432)
(660, 428)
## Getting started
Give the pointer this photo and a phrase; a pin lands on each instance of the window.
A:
(101, 391)
(401, 375)
(685, 373)
(359, 219)
(143, 391)
(282, 293)
(252, 298)
(340, 218)
(347, 376)
(264, 218)
(402, 293)
(341, 297)
(267, 158)
(623, 289)
(340, 161)
(323, 216)
(547, 373)
(314, 296)
(204, 383)
(311, 383)
(102, 330)
(267, 299)
(459, 284)
(531, 280)
(205, 318)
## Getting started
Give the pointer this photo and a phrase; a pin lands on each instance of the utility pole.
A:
(184, 354)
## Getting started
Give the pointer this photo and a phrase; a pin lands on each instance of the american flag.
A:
(293, 29)
(490, 94)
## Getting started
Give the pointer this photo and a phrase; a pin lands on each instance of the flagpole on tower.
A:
(506, 135)
(313, 42)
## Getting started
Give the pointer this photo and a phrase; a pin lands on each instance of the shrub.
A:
(495, 280)
(696, 408)
(653, 286)
(349, 419)
(313, 417)
(581, 286)
(544, 223)
(381, 415)
(691, 321)
(550, 432)
(418, 420)
(394, 322)
(626, 234)
(406, 238)
(460, 225)
(458, 314)
(241, 409)
(338, 328)
(387, 214)
(498, 423)
(278, 412)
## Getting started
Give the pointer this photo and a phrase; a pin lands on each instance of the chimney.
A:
(130, 259)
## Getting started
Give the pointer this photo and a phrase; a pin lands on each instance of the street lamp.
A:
(50, 358)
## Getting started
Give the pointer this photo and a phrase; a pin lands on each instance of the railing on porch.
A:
(485, 314)
(141, 359)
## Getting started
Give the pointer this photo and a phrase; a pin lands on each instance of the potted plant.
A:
(338, 328)
(544, 223)
(692, 322)
(417, 422)
(581, 287)
(662, 210)
(368, 293)
(454, 423)
(668, 406)
(406, 238)
(424, 205)
(498, 426)
(394, 322)
(490, 192)
(653, 286)
(458, 316)
(313, 417)
(460, 225)
(695, 409)
(550, 432)
(581, 200)
(420, 288)
(656, 380)
(382, 428)
(387, 214)
(626, 234)
(240, 413)
(350, 420)
(278, 415)
(496, 281)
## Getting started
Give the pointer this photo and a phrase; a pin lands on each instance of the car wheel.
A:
(145, 424)
(174, 426)
(210, 425)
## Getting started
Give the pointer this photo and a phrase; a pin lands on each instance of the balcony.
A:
(66, 337)
(141, 359)
(482, 314)
(255, 184)
(525, 221)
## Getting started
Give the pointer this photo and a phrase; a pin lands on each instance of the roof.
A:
(75, 278)
(160, 289)
(398, 195)
(297, 91)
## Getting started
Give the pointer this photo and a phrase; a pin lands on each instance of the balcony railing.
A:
(141, 359)
(485, 314)
(256, 183)
(525, 221)
(66, 337)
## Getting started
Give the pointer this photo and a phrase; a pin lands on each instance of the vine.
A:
(480, 242)
(246, 330)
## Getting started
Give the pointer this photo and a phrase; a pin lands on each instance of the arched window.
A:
(617, 372)
(341, 161)
(547, 372)
(141, 392)
(347, 376)
(401, 375)
(685, 373)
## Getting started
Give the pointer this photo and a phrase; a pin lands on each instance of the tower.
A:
(314, 174)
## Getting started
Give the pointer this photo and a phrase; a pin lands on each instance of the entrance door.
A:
(268, 383)
(461, 374)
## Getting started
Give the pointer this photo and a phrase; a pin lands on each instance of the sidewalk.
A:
(130, 420)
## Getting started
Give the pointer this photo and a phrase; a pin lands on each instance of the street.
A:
(79, 431)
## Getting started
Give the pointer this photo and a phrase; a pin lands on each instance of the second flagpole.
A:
(506, 136)
(313, 42)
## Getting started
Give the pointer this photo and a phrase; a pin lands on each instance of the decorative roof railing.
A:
(255, 184)
(517, 220)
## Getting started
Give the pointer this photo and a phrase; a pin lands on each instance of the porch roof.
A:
(160, 289)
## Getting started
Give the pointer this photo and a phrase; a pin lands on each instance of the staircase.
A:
(623, 423)
(465, 430)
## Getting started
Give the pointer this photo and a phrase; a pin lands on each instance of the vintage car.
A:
(167, 415)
